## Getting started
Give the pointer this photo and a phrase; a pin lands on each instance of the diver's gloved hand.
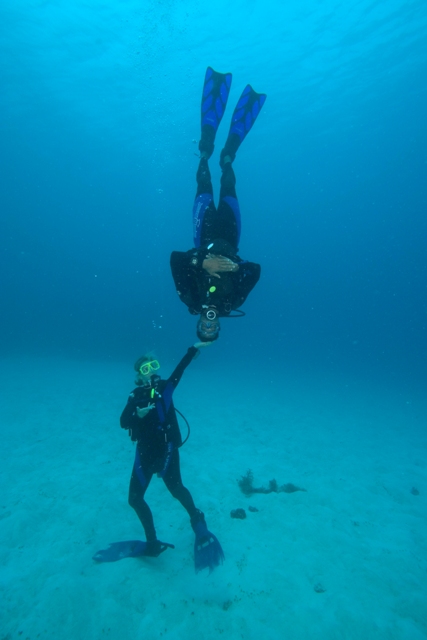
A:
(142, 412)
(217, 264)
(154, 548)
(199, 345)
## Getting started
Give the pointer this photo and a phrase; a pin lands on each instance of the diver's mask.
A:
(147, 367)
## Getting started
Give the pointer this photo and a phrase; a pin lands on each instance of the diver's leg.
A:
(203, 208)
(173, 481)
(203, 177)
(228, 221)
(139, 481)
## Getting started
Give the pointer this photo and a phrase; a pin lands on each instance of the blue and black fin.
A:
(215, 94)
(208, 552)
(246, 112)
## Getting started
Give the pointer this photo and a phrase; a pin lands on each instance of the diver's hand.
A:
(214, 264)
(143, 412)
(199, 345)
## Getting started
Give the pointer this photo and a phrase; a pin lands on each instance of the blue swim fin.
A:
(131, 549)
(208, 552)
(246, 112)
(215, 94)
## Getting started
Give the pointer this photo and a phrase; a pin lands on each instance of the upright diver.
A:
(216, 230)
(150, 418)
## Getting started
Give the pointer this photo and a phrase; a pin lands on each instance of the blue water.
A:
(322, 383)
(100, 118)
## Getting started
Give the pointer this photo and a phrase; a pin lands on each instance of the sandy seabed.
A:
(345, 559)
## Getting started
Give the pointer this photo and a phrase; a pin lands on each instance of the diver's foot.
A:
(226, 157)
(206, 144)
(154, 548)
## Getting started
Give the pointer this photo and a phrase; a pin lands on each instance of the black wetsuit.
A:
(158, 437)
(215, 231)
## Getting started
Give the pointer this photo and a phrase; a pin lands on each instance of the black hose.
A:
(188, 426)
(238, 313)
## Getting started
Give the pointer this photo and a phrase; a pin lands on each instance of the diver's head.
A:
(208, 326)
(145, 366)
